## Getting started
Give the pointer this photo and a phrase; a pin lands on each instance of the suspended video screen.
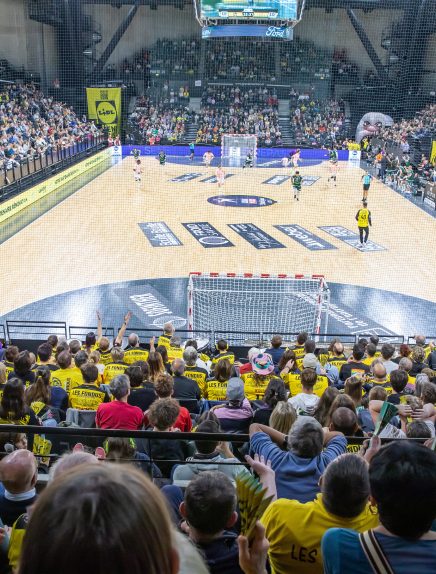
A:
(249, 9)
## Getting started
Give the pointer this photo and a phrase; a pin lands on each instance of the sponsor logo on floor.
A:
(255, 236)
(351, 238)
(276, 180)
(159, 234)
(305, 237)
(241, 200)
(207, 235)
(185, 177)
(213, 179)
(309, 180)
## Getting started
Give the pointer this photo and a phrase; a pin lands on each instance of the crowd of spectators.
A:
(161, 122)
(33, 124)
(422, 124)
(238, 110)
(316, 122)
(241, 59)
(307, 412)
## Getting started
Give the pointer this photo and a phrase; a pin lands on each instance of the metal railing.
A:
(17, 175)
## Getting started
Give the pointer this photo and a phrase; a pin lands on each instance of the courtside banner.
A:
(207, 235)
(104, 106)
(14, 205)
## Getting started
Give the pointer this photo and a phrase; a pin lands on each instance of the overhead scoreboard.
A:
(273, 19)
(249, 9)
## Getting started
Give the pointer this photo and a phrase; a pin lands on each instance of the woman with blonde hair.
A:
(94, 358)
(353, 388)
(283, 417)
(156, 365)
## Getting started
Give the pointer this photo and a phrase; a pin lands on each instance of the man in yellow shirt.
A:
(88, 396)
(168, 332)
(197, 374)
(223, 353)
(298, 348)
(363, 218)
(294, 530)
(175, 350)
(134, 352)
(117, 367)
(66, 376)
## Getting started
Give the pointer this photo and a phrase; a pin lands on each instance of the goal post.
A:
(237, 146)
(266, 304)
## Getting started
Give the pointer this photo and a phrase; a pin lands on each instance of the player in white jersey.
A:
(285, 162)
(137, 170)
(295, 158)
(207, 158)
(220, 175)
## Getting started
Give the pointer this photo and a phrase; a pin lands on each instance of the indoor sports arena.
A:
(218, 216)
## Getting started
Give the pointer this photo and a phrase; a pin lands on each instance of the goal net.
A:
(237, 147)
(256, 306)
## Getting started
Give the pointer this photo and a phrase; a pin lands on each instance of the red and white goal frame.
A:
(217, 302)
(242, 143)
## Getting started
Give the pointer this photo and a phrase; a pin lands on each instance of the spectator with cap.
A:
(118, 414)
(236, 414)
(294, 530)
(309, 449)
(18, 473)
(256, 382)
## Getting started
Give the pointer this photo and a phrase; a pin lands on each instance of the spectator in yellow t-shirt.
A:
(294, 530)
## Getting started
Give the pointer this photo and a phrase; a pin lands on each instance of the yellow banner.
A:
(433, 153)
(104, 106)
(23, 200)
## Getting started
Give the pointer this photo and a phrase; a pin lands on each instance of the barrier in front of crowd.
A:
(262, 153)
(29, 334)
(13, 201)
(63, 439)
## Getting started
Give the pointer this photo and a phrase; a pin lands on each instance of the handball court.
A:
(63, 263)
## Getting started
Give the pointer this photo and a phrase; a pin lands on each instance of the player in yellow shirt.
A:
(88, 396)
(294, 530)
(66, 376)
(216, 387)
(117, 367)
(223, 353)
(363, 218)
(256, 382)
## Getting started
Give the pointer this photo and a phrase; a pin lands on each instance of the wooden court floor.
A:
(93, 236)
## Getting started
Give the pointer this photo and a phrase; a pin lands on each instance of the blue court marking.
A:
(351, 238)
(237, 162)
(159, 234)
(305, 237)
(353, 309)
